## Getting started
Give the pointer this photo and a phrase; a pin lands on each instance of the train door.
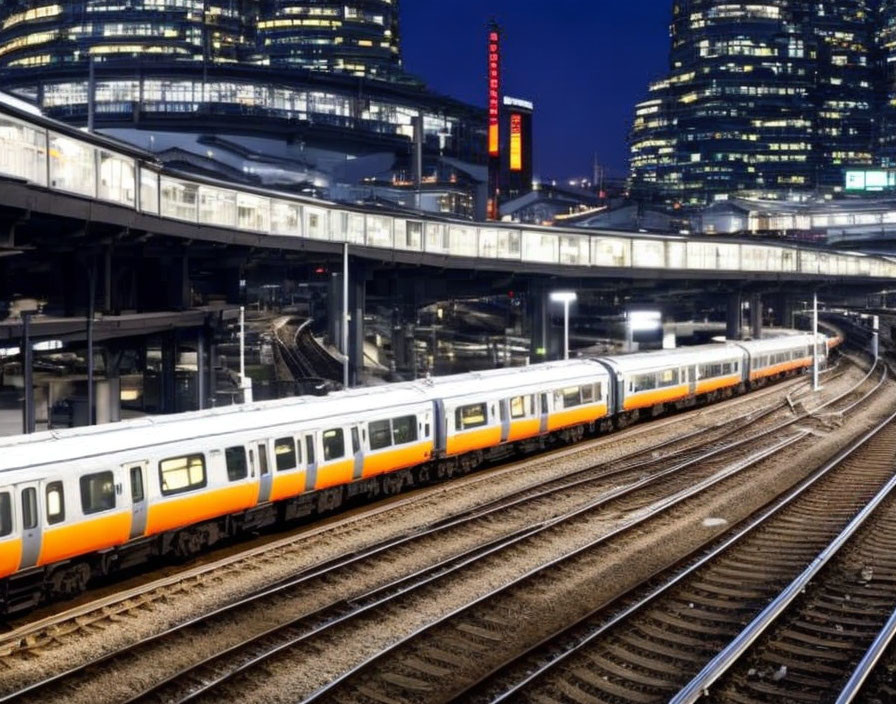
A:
(137, 473)
(692, 378)
(505, 419)
(358, 453)
(31, 533)
(311, 462)
(543, 412)
(258, 458)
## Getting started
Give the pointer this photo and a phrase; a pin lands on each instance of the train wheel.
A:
(69, 581)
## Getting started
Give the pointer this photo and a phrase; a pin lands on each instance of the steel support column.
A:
(756, 316)
(357, 291)
(733, 321)
(28, 422)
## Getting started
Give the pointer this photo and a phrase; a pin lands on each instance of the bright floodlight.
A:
(563, 296)
(644, 320)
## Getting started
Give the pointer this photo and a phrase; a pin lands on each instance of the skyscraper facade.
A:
(65, 35)
(771, 97)
(360, 38)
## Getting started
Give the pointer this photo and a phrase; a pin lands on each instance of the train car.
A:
(84, 502)
(118, 494)
(483, 411)
(652, 380)
(778, 356)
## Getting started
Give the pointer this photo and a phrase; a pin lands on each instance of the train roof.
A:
(81, 443)
(640, 361)
(784, 342)
(510, 378)
(56, 446)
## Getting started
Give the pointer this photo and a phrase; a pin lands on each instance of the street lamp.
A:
(564, 297)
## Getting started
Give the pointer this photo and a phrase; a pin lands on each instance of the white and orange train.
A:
(80, 503)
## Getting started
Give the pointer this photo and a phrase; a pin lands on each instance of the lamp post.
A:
(564, 297)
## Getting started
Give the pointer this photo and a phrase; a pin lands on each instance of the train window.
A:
(309, 447)
(334, 444)
(285, 454)
(544, 404)
(235, 459)
(5, 514)
(380, 434)
(97, 492)
(669, 377)
(136, 484)
(520, 406)
(29, 508)
(587, 393)
(570, 396)
(180, 474)
(643, 382)
(356, 442)
(55, 504)
(404, 429)
(471, 416)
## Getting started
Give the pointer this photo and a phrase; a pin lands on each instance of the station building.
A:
(305, 97)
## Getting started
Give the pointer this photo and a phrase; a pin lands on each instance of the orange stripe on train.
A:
(179, 511)
(287, 484)
(339, 472)
(722, 382)
(576, 416)
(522, 429)
(644, 399)
(94, 532)
(10, 556)
(469, 440)
(780, 368)
(380, 461)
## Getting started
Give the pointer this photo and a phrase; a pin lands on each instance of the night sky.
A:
(584, 63)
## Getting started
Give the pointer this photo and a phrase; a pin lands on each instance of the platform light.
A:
(564, 297)
(644, 320)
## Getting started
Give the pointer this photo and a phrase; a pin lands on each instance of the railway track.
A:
(265, 645)
(219, 674)
(644, 648)
(303, 356)
(492, 534)
(287, 591)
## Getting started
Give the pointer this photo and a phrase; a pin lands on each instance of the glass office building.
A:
(360, 38)
(771, 97)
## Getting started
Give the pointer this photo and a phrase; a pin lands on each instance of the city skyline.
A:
(608, 75)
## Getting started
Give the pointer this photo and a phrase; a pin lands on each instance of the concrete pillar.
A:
(733, 322)
(176, 280)
(168, 382)
(201, 392)
(756, 316)
(28, 417)
(212, 374)
(357, 291)
(539, 323)
(111, 404)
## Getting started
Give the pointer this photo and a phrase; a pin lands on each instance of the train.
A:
(81, 503)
